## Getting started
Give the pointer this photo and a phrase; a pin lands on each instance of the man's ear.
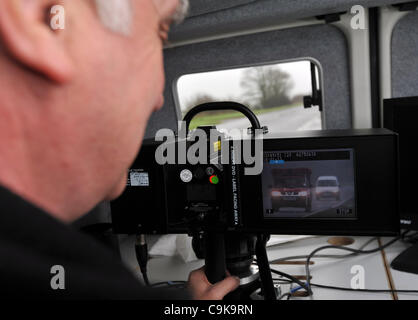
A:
(27, 36)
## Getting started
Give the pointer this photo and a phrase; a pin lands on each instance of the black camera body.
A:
(312, 182)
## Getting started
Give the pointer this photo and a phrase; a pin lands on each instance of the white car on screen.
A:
(327, 187)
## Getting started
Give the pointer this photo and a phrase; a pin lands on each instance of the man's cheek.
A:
(118, 188)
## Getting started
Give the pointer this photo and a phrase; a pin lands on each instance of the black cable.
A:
(327, 256)
(404, 234)
(169, 283)
(349, 289)
(357, 251)
(307, 285)
(363, 290)
(282, 281)
(411, 239)
(292, 278)
(295, 280)
(336, 287)
(288, 295)
(303, 285)
(141, 251)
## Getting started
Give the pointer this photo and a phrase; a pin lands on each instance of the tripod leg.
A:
(264, 268)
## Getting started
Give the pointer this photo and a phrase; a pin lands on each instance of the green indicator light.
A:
(214, 179)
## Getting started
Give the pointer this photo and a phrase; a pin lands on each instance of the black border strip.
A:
(374, 66)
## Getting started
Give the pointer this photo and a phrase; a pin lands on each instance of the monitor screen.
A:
(309, 184)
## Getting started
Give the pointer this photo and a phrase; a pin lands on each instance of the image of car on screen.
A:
(292, 188)
(327, 187)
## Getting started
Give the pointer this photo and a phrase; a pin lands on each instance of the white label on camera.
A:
(138, 178)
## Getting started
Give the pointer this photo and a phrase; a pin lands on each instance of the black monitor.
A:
(401, 116)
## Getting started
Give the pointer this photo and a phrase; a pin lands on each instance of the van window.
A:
(327, 183)
(274, 92)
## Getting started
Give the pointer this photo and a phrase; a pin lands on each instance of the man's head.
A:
(74, 103)
(122, 20)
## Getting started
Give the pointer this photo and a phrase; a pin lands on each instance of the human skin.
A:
(72, 120)
(74, 105)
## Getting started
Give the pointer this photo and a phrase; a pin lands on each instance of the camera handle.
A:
(215, 259)
(223, 105)
(215, 255)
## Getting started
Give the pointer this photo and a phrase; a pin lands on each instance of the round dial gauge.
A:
(186, 175)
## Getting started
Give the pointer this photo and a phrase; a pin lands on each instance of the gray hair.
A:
(117, 14)
(181, 11)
